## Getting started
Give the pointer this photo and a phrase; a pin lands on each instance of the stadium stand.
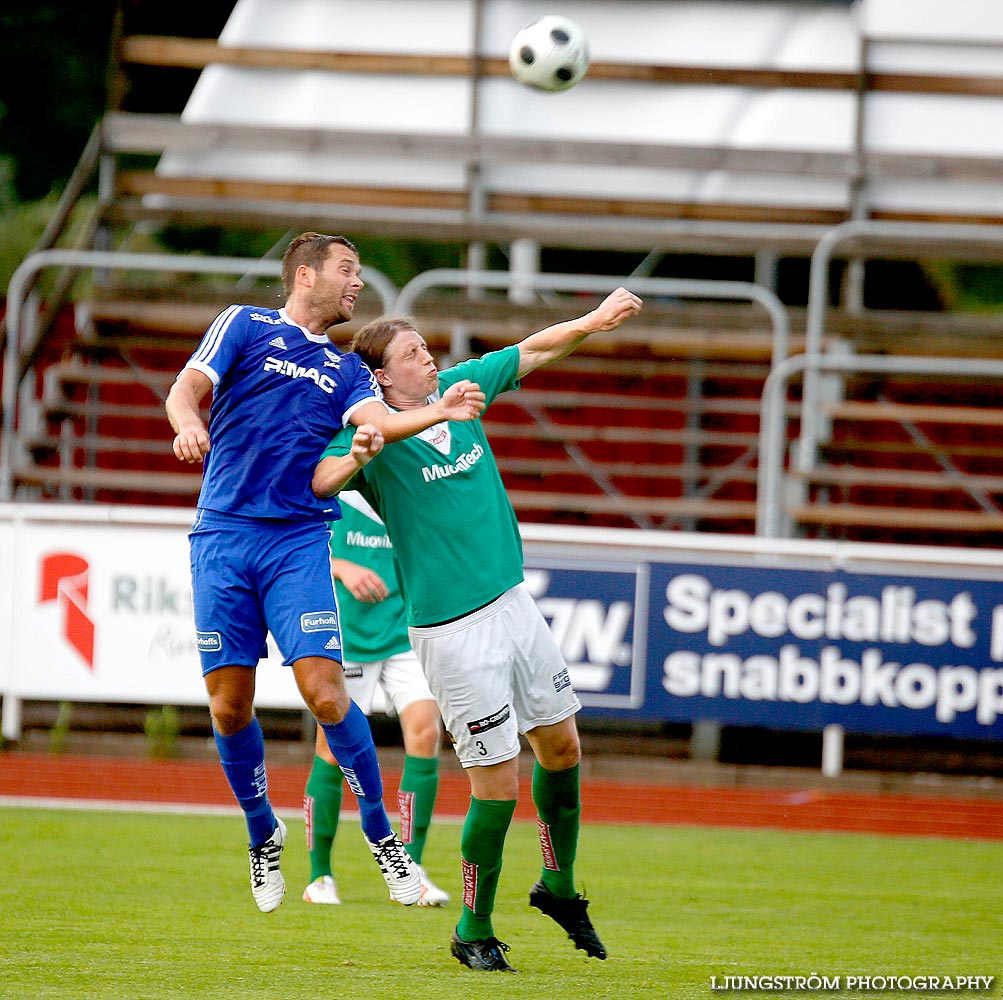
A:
(907, 454)
(751, 140)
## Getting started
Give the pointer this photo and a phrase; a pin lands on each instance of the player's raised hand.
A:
(463, 401)
(617, 307)
(367, 443)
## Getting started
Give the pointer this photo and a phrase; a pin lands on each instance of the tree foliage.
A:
(55, 57)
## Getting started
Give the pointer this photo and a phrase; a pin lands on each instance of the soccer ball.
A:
(549, 54)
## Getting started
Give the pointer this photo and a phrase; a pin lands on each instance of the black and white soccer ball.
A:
(550, 54)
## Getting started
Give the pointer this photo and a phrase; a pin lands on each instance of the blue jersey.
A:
(279, 394)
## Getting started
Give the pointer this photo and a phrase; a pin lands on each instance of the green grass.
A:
(136, 905)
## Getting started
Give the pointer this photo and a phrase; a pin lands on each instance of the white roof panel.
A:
(979, 21)
(432, 27)
(354, 101)
(788, 35)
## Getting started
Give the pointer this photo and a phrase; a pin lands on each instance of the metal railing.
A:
(673, 287)
(771, 428)
(911, 240)
(908, 240)
(676, 287)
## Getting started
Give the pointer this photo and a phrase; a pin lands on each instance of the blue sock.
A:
(351, 742)
(243, 758)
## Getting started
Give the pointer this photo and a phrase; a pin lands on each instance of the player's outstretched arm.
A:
(461, 401)
(559, 340)
(333, 473)
(191, 440)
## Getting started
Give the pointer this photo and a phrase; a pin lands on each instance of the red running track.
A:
(198, 783)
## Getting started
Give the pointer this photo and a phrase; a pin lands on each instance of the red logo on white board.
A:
(64, 580)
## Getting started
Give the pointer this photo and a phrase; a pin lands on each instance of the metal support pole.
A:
(832, 751)
(524, 262)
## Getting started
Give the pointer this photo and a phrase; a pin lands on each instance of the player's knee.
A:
(559, 750)
(422, 733)
(424, 743)
(495, 782)
(328, 703)
(229, 716)
(568, 755)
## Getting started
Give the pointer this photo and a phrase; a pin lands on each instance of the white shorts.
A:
(495, 673)
(400, 677)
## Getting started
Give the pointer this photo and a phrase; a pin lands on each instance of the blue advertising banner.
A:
(598, 614)
(785, 648)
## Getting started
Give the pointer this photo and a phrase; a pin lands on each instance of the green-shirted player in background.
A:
(486, 650)
(377, 652)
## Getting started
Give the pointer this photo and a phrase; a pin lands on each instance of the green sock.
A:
(322, 805)
(481, 846)
(416, 800)
(557, 795)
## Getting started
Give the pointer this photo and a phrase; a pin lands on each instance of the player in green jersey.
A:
(377, 652)
(486, 650)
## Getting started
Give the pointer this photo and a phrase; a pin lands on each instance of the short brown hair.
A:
(310, 249)
(372, 340)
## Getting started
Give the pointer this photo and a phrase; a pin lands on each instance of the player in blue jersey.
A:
(259, 544)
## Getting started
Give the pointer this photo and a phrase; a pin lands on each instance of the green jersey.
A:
(369, 632)
(456, 539)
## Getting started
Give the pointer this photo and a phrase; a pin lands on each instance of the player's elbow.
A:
(321, 483)
(171, 404)
(390, 429)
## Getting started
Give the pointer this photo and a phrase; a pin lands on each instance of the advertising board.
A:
(655, 626)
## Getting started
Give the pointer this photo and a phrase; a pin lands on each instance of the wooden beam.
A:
(689, 472)
(908, 325)
(131, 132)
(119, 480)
(915, 413)
(74, 373)
(699, 507)
(102, 442)
(851, 446)
(202, 194)
(962, 85)
(850, 476)
(623, 435)
(556, 399)
(859, 515)
(595, 232)
(143, 183)
(197, 53)
(803, 215)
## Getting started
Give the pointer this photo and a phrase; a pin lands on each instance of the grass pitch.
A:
(147, 906)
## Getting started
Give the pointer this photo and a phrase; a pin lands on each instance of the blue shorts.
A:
(252, 576)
